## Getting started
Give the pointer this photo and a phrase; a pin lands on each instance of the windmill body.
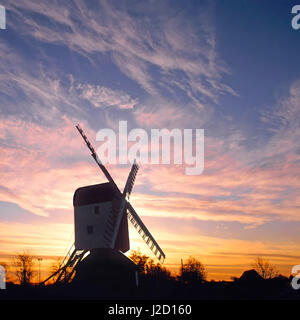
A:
(95, 212)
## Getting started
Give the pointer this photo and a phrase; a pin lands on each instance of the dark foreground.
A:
(245, 288)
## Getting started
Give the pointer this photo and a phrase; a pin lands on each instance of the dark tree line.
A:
(191, 270)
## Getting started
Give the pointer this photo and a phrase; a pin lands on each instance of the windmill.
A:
(101, 214)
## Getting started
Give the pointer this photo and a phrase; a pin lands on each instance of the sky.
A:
(228, 67)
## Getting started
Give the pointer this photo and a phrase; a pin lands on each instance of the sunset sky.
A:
(231, 68)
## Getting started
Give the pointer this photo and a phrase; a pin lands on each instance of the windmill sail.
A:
(130, 180)
(145, 233)
(125, 195)
(98, 161)
(132, 215)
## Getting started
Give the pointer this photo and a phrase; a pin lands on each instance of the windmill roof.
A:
(94, 194)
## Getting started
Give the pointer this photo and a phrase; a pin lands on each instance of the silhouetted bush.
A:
(192, 271)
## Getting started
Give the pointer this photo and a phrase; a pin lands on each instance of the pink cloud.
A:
(32, 175)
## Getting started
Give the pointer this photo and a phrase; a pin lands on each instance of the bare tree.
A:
(192, 271)
(264, 268)
(140, 260)
(156, 270)
(148, 269)
(24, 264)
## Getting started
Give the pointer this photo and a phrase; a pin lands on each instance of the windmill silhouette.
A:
(101, 214)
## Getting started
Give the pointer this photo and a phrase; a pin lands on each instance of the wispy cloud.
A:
(152, 53)
(33, 162)
(101, 97)
(45, 96)
(33, 94)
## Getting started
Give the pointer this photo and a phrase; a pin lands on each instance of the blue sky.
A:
(257, 42)
(228, 67)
